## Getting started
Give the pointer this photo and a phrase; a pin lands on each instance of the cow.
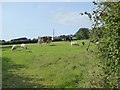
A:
(45, 39)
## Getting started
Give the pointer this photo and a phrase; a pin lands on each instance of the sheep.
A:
(23, 46)
(74, 43)
(13, 47)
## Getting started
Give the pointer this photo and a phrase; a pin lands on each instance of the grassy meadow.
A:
(56, 65)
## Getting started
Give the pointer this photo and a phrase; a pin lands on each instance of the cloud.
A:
(69, 18)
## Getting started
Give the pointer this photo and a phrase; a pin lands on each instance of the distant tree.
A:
(62, 36)
(2, 42)
(23, 38)
(82, 33)
(66, 37)
(34, 40)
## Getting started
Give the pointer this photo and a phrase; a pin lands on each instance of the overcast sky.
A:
(33, 19)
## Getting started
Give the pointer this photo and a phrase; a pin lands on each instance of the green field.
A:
(54, 65)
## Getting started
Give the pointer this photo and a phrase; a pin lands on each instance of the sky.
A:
(47, 0)
(33, 19)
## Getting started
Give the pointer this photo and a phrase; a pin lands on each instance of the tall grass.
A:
(56, 65)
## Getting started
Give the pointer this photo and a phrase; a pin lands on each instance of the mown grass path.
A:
(54, 65)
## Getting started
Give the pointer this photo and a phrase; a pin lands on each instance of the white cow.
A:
(74, 43)
(13, 47)
(23, 46)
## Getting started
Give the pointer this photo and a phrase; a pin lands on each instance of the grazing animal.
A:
(45, 39)
(74, 43)
(23, 46)
(13, 47)
(83, 43)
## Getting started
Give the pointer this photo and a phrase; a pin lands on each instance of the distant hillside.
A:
(82, 33)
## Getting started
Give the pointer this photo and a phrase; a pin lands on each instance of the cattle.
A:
(45, 39)
(13, 47)
(23, 46)
(74, 43)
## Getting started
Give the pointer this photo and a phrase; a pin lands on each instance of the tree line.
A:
(18, 41)
(82, 33)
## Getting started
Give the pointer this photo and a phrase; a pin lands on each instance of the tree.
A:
(82, 33)
(2, 42)
(106, 28)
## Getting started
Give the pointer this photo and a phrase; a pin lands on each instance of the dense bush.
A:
(106, 30)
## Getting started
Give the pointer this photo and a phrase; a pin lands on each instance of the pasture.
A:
(56, 65)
